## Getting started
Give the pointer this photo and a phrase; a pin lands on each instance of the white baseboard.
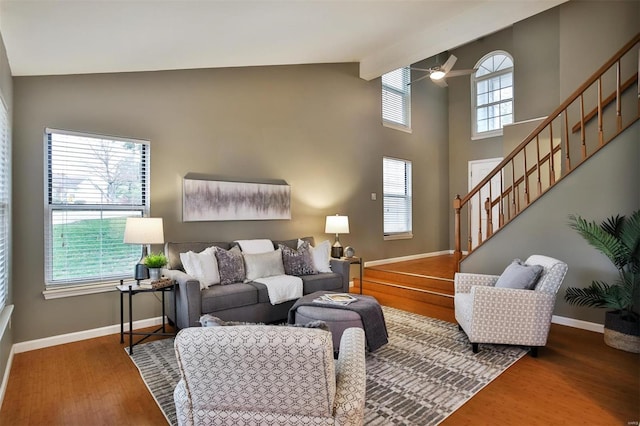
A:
(405, 258)
(584, 325)
(81, 335)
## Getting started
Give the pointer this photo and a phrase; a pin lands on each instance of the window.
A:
(396, 99)
(93, 183)
(492, 94)
(397, 198)
(5, 204)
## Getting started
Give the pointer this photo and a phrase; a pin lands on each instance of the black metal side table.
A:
(132, 289)
(356, 261)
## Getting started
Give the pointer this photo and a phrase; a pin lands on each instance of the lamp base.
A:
(141, 272)
(337, 251)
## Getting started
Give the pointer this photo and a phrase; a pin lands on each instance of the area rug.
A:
(425, 372)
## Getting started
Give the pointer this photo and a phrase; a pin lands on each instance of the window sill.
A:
(487, 135)
(396, 126)
(80, 290)
(405, 236)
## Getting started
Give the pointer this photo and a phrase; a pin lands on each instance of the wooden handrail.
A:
(577, 93)
(519, 189)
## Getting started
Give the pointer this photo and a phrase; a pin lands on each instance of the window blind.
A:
(5, 203)
(396, 97)
(397, 196)
(93, 184)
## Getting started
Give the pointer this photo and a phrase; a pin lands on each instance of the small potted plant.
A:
(155, 262)
(618, 238)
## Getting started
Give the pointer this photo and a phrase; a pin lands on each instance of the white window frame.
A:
(475, 134)
(55, 288)
(5, 207)
(407, 232)
(404, 94)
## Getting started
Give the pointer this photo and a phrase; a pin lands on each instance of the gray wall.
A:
(6, 91)
(318, 127)
(554, 52)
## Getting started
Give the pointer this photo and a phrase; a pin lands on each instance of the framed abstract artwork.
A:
(217, 200)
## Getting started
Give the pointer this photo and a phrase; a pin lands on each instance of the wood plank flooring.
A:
(576, 380)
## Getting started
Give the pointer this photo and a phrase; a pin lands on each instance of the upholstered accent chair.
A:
(269, 375)
(510, 316)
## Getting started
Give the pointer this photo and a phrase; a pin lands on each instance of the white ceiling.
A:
(44, 37)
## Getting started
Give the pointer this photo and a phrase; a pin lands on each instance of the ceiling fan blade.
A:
(420, 69)
(441, 82)
(449, 63)
(417, 79)
(457, 73)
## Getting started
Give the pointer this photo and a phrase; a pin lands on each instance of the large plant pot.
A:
(622, 333)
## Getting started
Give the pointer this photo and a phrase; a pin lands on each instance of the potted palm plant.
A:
(618, 238)
(155, 262)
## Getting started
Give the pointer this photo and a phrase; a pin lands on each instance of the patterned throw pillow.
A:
(230, 265)
(297, 262)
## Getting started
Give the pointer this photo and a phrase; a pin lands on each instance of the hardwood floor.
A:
(576, 380)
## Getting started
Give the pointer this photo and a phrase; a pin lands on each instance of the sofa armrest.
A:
(464, 281)
(351, 378)
(189, 299)
(342, 267)
(512, 316)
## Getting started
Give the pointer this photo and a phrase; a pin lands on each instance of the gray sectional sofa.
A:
(241, 301)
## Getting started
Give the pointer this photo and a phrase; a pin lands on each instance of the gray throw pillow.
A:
(297, 262)
(519, 275)
(230, 265)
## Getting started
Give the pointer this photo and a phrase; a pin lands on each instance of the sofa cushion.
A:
(320, 255)
(518, 275)
(230, 265)
(297, 262)
(203, 266)
(329, 281)
(293, 243)
(173, 250)
(263, 264)
(221, 297)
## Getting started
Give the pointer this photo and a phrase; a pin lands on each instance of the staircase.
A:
(598, 111)
(423, 286)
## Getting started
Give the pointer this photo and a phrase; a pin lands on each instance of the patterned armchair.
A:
(269, 375)
(505, 315)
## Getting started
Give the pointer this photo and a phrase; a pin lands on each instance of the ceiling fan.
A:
(439, 72)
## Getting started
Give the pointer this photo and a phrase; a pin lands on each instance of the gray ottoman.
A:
(338, 320)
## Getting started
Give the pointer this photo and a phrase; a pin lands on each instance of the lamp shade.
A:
(144, 230)
(337, 225)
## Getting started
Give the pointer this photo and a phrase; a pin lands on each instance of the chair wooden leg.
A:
(474, 347)
(534, 351)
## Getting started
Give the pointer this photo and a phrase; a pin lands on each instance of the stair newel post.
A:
(456, 207)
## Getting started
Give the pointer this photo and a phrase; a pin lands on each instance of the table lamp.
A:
(337, 225)
(145, 231)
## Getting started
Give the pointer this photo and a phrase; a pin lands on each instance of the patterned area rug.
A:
(425, 372)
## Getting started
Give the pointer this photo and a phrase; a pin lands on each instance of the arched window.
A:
(492, 94)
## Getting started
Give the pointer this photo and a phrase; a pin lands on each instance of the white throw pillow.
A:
(321, 255)
(203, 266)
(255, 246)
(263, 264)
